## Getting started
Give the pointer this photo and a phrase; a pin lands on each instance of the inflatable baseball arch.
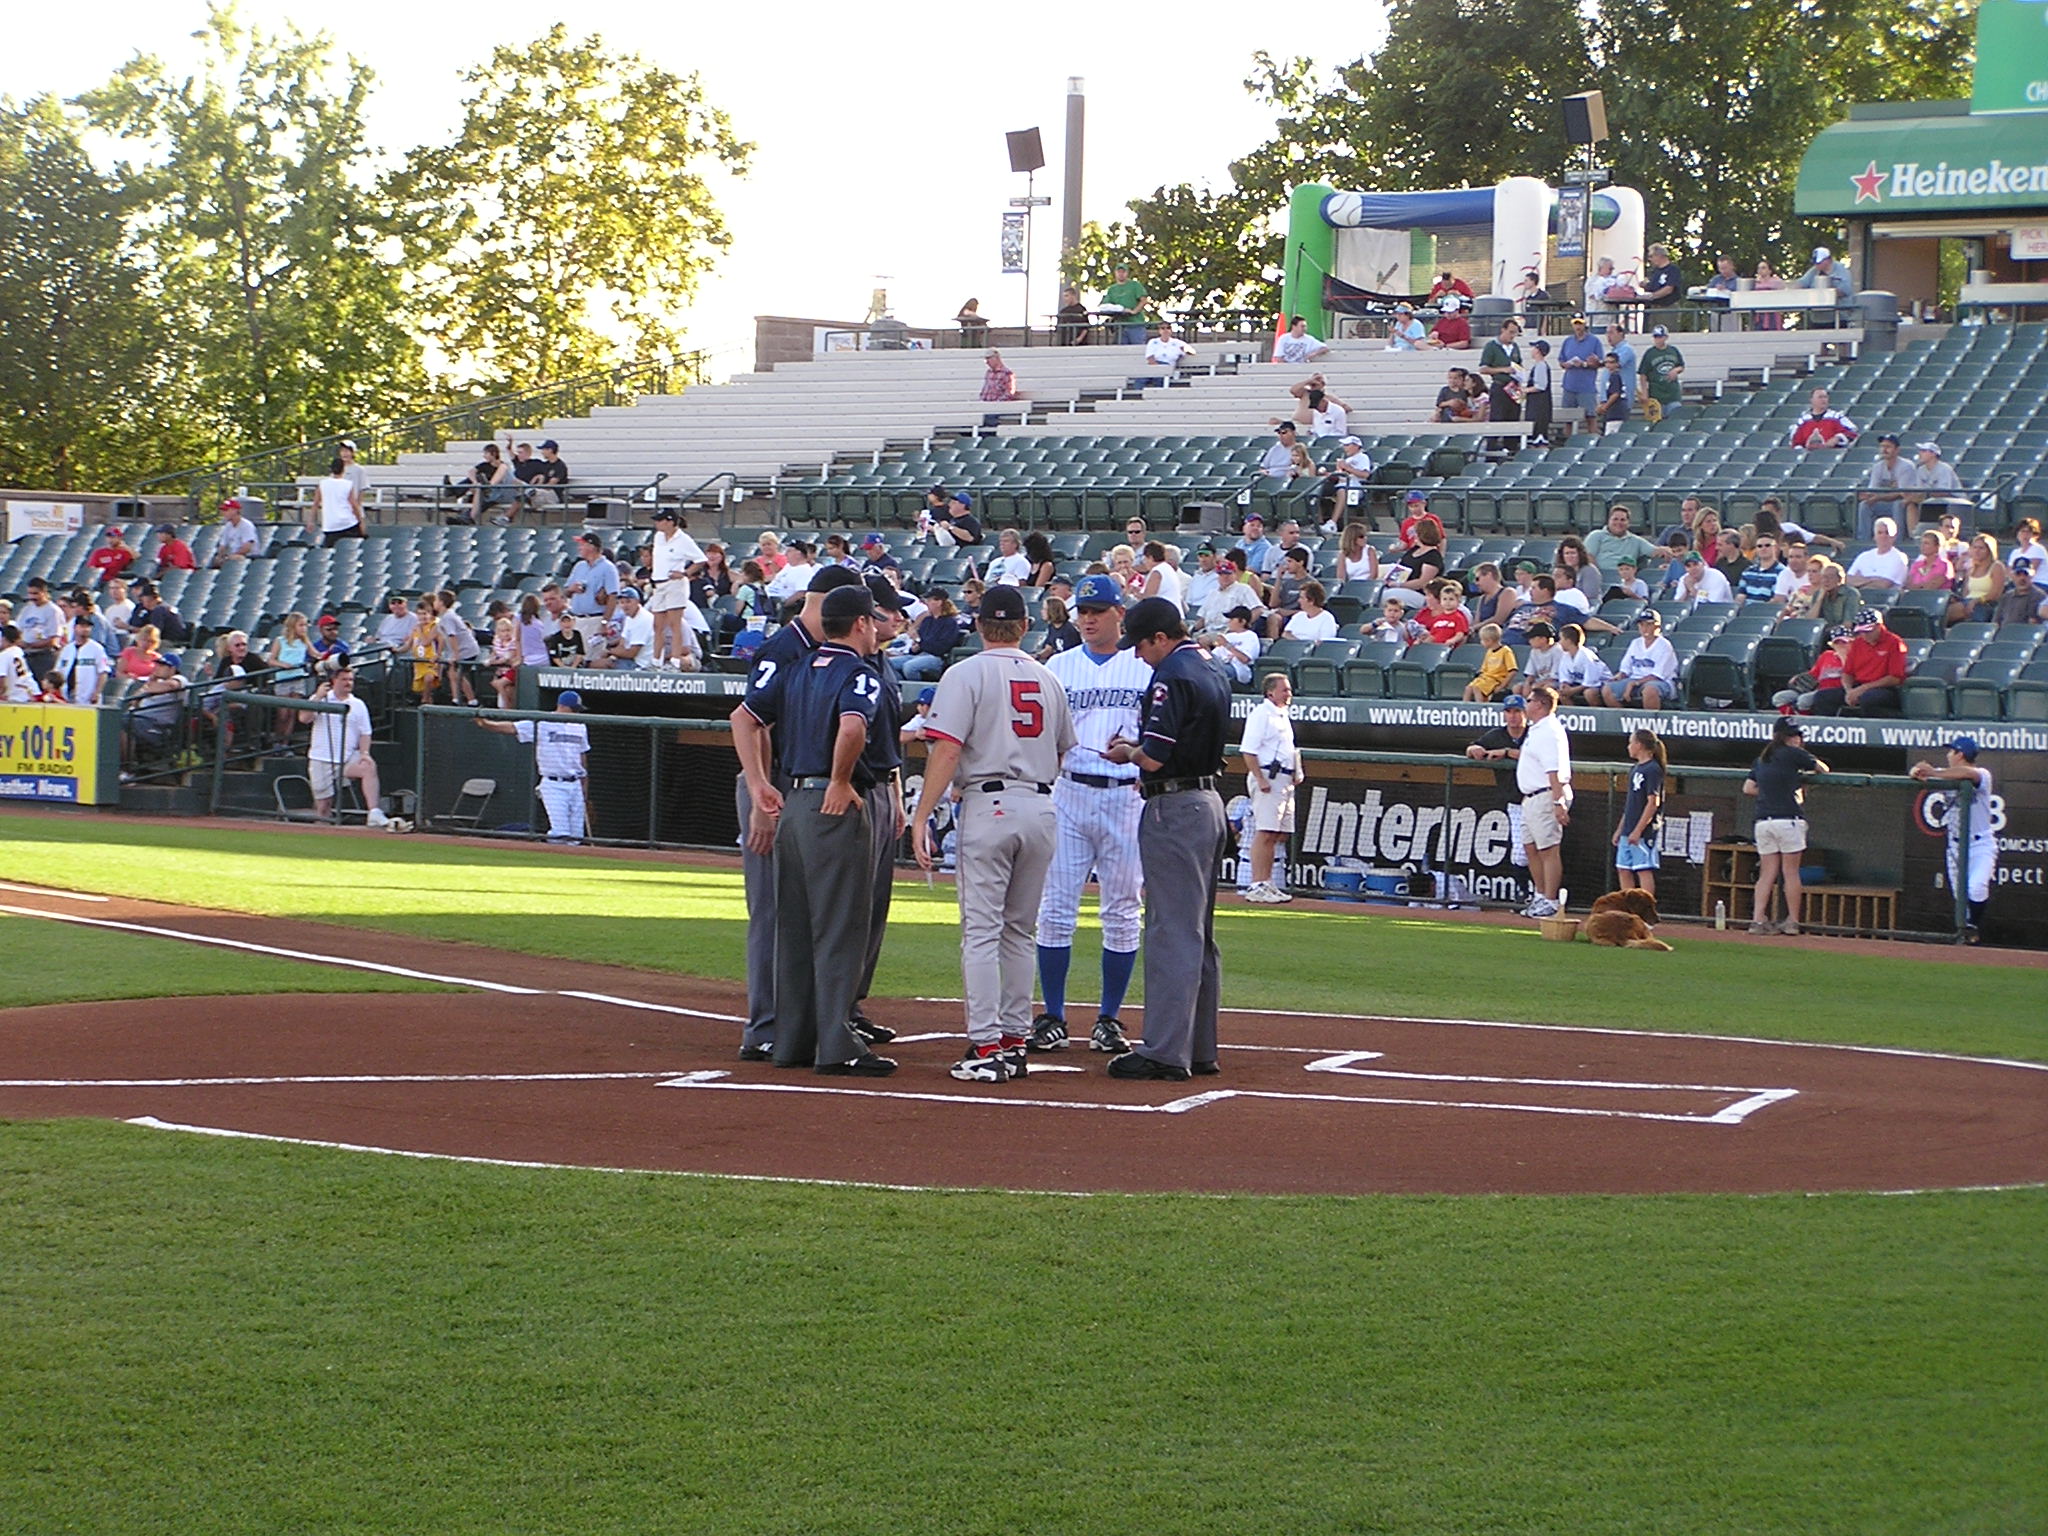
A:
(1385, 241)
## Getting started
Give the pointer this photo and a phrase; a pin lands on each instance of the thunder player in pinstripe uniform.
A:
(1098, 805)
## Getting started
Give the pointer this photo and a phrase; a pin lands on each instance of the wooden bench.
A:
(1862, 910)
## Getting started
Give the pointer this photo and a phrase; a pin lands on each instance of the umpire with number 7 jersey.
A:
(1182, 729)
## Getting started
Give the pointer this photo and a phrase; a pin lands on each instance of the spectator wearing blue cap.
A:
(1504, 742)
(561, 758)
(1972, 846)
(953, 523)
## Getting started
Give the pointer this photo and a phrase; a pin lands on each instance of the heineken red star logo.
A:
(1868, 185)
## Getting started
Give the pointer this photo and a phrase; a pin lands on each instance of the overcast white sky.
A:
(879, 133)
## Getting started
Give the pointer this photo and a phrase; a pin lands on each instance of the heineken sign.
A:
(1881, 162)
(2012, 57)
(1911, 180)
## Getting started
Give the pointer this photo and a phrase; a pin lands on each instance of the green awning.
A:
(1947, 162)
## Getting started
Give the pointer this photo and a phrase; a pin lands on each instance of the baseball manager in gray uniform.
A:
(1181, 833)
(998, 728)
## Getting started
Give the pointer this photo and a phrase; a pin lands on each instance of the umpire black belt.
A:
(824, 781)
(1010, 787)
(1151, 789)
(1100, 781)
(563, 778)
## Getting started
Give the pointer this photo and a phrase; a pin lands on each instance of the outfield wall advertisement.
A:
(53, 753)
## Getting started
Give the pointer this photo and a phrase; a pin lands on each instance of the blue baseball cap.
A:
(1514, 701)
(569, 698)
(1099, 591)
(1966, 747)
(963, 498)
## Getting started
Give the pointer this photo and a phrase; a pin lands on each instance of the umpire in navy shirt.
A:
(757, 795)
(1183, 726)
(883, 760)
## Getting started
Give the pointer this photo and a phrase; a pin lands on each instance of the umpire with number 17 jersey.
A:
(1183, 726)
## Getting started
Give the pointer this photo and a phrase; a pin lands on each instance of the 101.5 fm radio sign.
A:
(57, 754)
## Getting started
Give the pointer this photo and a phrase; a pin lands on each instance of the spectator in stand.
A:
(1202, 581)
(768, 548)
(290, 658)
(1700, 582)
(138, 660)
(172, 553)
(546, 479)
(1122, 563)
(954, 525)
(973, 324)
(238, 539)
(337, 511)
(1780, 830)
(235, 669)
(1580, 361)
(565, 645)
(79, 605)
(394, 630)
(503, 661)
(1605, 546)
(1236, 648)
(1663, 284)
(1504, 742)
(83, 666)
(1822, 426)
(111, 560)
(1882, 567)
(1626, 582)
(2027, 549)
(1931, 572)
(998, 387)
(41, 623)
(1828, 598)
(531, 628)
(1419, 566)
(1826, 272)
(1728, 556)
(1072, 321)
(1766, 579)
(1496, 673)
(1165, 352)
(1454, 400)
(1501, 364)
(1447, 284)
(1768, 281)
(1872, 672)
(1452, 331)
(593, 586)
(1940, 488)
(675, 556)
(1980, 583)
(1582, 573)
(459, 646)
(1405, 333)
(1395, 625)
(1649, 668)
(1884, 492)
(1316, 411)
(340, 749)
(1008, 567)
(1045, 565)
(1635, 839)
(493, 485)
(1444, 619)
(1285, 601)
(714, 578)
(1231, 594)
(1771, 519)
(1297, 346)
(1312, 622)
(119, 607)
(631, 649)
(794, 579)
(1061, 633)
(18, 683)
(937, 633)
(1123, 303)
(1663, 370)
(1800, 692)
(150, 608)
(1600, 282)
(1544, 657)
(156, 708)
(1279, 461)
(1581, 674)
(1543, 773)
(1615, 400)
(2024, 601)
(1496, 599)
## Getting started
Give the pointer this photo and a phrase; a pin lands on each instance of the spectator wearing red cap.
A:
(1872, 672)
(113, 557)
(237, 539)
(172, 552)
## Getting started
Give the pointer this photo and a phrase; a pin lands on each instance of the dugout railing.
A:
(1442, 824)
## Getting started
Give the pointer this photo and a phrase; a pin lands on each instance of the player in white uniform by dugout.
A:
(560, 759)
(999, 729)
(1097, 805)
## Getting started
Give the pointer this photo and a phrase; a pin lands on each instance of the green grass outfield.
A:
(205, 1335)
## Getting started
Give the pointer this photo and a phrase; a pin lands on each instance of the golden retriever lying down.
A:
(1623, 919)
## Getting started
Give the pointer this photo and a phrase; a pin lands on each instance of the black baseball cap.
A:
(884, 592)
(830, 577)
(848, 602)
(666, 515)
(1148, 617)
(1003, 604)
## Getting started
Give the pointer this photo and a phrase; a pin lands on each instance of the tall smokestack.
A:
(1070, 197)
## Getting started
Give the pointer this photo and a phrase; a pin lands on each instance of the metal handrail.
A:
(383, 441)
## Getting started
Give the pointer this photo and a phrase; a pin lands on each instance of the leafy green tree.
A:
(1187, 246)
(92, 392)
(572, 217)
(274, 248)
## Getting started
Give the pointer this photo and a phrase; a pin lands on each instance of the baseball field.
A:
(258, 1332)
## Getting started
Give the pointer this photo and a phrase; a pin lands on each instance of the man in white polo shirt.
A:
(340, 748)
(1882, 566)
(1543, 773)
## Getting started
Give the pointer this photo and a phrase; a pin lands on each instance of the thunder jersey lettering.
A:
(1104, 698)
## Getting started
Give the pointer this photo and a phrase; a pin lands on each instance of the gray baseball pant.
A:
(1006, 844)
(882, 828)
(822, 870)
(757, 871)
(1181, 839)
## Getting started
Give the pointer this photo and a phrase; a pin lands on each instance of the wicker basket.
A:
(1562, 929)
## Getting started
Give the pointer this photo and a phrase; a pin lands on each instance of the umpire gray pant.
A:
(882, 830)
(757, 871)
(823, 867)
(1180, 846)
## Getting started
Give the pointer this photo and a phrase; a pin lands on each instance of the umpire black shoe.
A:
(865, 1065)
(1108, 1035)
(868, 1031)
(757, 1053)
(1133, 1065)
(1206, 1069)
(1048, 1033)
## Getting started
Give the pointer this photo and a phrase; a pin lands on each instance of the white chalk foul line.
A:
(44, 890)
(1752, 1100)
(351, 1077)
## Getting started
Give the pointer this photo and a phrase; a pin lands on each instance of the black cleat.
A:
(1131, 1065)
(1108, 1035)
(1048, 1033)
(865, 1065)
(757, 1053)
(867, 1031)
(1206, 1069)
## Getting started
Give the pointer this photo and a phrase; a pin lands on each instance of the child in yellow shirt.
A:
(1496, 672)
